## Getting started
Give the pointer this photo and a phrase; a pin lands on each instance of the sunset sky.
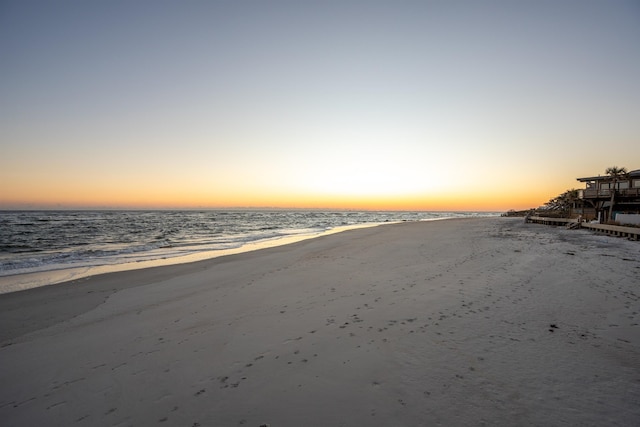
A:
(434, 105)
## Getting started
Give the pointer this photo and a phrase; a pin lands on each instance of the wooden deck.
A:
(550, 221)
(632, 233)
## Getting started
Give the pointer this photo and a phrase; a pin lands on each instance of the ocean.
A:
(52, 241)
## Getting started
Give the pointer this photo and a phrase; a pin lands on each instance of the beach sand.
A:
(462, 322)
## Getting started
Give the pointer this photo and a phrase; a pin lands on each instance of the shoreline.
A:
(24, 281)
(46, 247)
(27, 280)
(467, 322)
(85, 292)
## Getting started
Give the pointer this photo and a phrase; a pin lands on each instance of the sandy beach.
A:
(464, 322)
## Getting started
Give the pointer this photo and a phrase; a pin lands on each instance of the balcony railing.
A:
(592, 193)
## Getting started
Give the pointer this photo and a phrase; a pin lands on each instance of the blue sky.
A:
(225, 103)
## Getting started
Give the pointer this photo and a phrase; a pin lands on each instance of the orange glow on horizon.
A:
(187, 193)
(191, 200)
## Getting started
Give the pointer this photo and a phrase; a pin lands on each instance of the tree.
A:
(616, 174)
(571, 197)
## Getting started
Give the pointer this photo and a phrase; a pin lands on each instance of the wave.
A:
(43, 241)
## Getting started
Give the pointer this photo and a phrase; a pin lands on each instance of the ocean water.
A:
(46, 241)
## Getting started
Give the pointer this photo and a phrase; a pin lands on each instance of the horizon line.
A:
(239, 208)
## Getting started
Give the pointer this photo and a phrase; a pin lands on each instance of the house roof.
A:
(632, 174)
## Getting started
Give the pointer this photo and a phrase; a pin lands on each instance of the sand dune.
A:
(454, 323)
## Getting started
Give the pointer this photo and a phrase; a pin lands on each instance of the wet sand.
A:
(455, 322)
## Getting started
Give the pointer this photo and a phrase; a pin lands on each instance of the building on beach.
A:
(596, 198)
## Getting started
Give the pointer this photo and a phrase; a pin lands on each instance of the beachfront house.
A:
(596, 198)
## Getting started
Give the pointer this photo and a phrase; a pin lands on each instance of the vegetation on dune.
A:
(562, 205)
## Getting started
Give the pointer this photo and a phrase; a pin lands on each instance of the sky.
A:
(421, 105)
